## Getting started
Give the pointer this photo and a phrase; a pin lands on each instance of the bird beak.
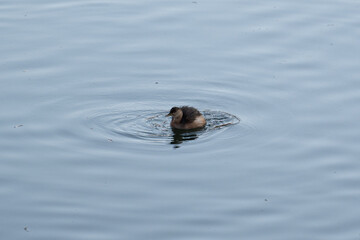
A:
(168, 115)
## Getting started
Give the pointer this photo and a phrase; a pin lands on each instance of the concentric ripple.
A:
(154, 127)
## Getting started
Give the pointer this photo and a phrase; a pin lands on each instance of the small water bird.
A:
(186, 118)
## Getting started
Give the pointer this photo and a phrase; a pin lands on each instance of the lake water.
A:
(87, 153)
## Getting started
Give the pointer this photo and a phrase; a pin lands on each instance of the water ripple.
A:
(153, 127)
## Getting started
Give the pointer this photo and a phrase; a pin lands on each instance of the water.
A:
(86, 153)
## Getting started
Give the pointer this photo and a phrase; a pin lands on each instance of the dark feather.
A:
(189, 114)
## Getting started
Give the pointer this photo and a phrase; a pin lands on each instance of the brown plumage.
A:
(186, 118)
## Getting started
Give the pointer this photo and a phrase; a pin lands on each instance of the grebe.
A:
(186, 118)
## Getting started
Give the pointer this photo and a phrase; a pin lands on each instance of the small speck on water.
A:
(17, 126)
(110, 140)
(156, 82)
(26, 229)
(265, 200)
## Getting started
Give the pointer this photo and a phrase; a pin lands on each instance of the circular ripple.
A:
(154, 127)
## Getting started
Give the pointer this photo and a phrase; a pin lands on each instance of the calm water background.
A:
(78, 159)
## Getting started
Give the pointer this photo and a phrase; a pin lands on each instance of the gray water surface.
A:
(87, 153)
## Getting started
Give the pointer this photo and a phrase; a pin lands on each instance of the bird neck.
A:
(177, 117)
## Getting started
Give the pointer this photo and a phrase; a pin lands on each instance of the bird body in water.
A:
(186, 118)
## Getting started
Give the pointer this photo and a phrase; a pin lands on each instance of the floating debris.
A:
(17, 126)
(26, 229)
(110, 140)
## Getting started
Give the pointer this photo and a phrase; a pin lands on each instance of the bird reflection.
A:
(180, 136)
